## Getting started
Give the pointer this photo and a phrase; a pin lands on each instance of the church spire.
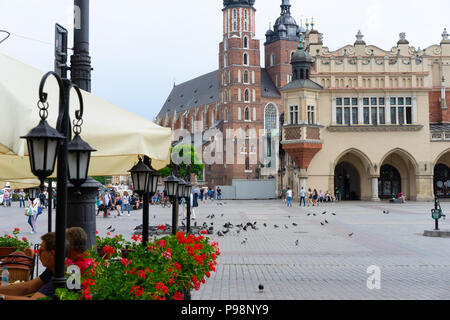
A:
(285, 7)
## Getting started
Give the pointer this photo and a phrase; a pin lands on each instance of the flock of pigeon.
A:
(242, 228)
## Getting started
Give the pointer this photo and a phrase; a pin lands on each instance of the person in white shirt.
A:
(289, 197)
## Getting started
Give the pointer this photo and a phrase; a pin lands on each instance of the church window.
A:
(247, 95)
(246, 62)
(246, 42)
(272, 59)
(246, 76)
(270, 118)
(247, 114)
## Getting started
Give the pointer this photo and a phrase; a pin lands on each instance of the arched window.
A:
(234, 20)
(247, 114)
(247, 95)
(245, 20)
(272, 59)
(247, 163)
(246, 77)
(246, 60)
(246, 42)
(270, 118)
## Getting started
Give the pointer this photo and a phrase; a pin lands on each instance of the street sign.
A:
(436, 214)
(61, 35)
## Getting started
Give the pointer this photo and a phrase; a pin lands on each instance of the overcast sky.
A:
(140, 47)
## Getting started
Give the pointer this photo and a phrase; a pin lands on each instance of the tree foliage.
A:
(183, 155)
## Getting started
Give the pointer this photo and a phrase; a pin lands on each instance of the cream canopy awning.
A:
(118, 135)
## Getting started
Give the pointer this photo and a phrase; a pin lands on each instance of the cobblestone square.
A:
(326, 264)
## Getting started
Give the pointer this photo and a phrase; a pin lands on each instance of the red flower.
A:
(24, 239)
(138, 291)
(162, 243)
(162, 227)
(16, 230)
(96, 231)
(125, 262)
(142, 274)
(161, 287)
(203, 232)
(177, 296)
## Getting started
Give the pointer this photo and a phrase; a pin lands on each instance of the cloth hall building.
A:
(367, 121)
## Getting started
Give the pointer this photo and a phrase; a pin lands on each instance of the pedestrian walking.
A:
(6, 198)
(310, 197)
(289, 197)
(126, 203)
(22, 198)
(302, 197)
(283, 195)
(32, 213)
(194, 204)
(118, 204)
(219, 193)
(106, 204)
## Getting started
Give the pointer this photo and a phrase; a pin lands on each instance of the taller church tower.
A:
(240, 79)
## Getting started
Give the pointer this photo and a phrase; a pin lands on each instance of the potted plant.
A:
(165, 269)
(10, 244)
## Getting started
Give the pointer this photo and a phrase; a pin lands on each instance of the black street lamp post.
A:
(171, 187)
(188, 199)
(145, 181)
(45, 144)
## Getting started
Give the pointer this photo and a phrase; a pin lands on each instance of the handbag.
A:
(29, 212)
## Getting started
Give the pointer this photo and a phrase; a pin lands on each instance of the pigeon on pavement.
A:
(294, 224)
(261, 288)
(324, 212)
(322, 223)
(109, 228)
(326, 221)
(296, 242)
(351, 234)
(275, 226)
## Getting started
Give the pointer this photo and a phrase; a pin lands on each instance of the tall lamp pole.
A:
(188, 199)
(80, 61)
(45, 144)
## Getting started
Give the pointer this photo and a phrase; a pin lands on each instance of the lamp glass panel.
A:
(39, 154)
(52, 148)
(72, 164)
(84, 164)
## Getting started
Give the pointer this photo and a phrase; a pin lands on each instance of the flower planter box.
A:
(4, 251)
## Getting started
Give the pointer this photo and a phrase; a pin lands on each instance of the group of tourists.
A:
(107, 202)
(310, 197)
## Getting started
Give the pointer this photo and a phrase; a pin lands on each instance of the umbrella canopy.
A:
(118, 135)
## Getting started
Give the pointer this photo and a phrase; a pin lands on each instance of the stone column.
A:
(424, 188)
(375, 196)
(82, 209)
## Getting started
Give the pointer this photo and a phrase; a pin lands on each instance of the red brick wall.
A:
(437, 114)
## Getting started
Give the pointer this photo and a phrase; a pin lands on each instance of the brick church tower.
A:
(281, 44)
(239, 89)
